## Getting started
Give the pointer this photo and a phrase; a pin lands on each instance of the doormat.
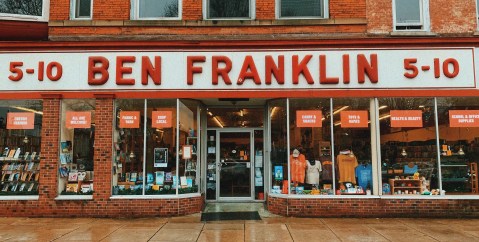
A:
(219, 216)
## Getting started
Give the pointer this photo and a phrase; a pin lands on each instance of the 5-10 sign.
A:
(450, 68)
(53, 71)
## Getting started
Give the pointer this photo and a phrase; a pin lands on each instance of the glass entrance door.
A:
(235, 165)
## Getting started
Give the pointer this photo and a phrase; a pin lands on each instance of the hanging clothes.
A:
(347, 165)
(312, 172)
(364, 175)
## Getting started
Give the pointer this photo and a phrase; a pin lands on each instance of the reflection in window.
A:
(22, 7)
(310, 141)
(302, 8)
(459, 144)
(408, 146)
(228, 8)
(158, 9)
(409, 14)
(279, 151)
(352, 146)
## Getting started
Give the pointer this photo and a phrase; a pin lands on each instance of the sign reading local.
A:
(464, 118)
(130, 119)
(20, 120)
(78, 120)
(309, 118)
(239, 70)
(406, 118)
(161, 119)
(354, 119)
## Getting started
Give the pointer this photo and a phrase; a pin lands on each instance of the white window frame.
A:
(252, 12)
(20, 17)
(74, 10)
(325, 11)
(424, 23)
(477, 14)
(135, 12)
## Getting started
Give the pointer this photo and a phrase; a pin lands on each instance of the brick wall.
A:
(373, 207)
(457, 16)
(347, 9)
(111, 9)
(59, 9)
(380, 16)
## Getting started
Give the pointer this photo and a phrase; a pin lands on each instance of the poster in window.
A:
(187, 150)
(161, 157)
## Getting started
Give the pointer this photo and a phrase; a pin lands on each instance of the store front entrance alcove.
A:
(235, 153)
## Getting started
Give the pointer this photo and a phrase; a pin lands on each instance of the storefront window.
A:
(128, 175)
(161, 159)
(20, 134)
(408, 146)
(352, 146)
(279, 146)
(77, 138)
(459, 144)
(188, 138)
(310, 142)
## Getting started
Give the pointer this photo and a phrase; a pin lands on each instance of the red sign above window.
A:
(130, 119)
(21, 120)
(354, 119)
(309, 118)
(406, 118)
(463, 118)
(78, 120)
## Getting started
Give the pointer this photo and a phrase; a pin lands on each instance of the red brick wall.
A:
(457, 16)
(59, 9)
(347, 9)
(266, 10)
(192, 10)
(373, 207)
(111, 9)
(380, 16)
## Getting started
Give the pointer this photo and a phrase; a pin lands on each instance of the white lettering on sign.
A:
(309, 119)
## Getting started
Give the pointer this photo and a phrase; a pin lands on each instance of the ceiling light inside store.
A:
(340, 109)
(338, 123)
(241, 113)
(384, 116)
(210, 113)
(383, 107)
(273, 111)
(28, 110)
(218, 121)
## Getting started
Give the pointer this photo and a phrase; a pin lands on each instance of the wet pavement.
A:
(273, 228)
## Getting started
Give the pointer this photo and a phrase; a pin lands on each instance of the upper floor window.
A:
(81, 9)
(303, 8)
(411, 14)
(229, 9)
(28, 10)
(156, 9)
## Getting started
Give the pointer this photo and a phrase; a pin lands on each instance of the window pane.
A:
(83, 8)
(310, 141)
(189, 163)
(20, 147)
(23, 7)
(459, 144)
(408, 145)
(352, 145)
(161, 166)
(128, 175)
(228, 8)
(279, 144)
(408, 11)
(158, 8)
(77, 138)
(301, 8)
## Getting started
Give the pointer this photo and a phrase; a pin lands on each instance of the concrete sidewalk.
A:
(190, 228)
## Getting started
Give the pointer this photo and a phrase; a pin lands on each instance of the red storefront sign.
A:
(354, 119)
(406, 118)
(20, 120)
(463, 118)
(161, 119)
(309, 118)
(78, 120)
(130, 119)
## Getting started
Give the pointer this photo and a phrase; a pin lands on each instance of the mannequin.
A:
(298, 167)
(313, 170)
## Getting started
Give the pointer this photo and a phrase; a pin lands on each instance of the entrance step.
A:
(214, 207)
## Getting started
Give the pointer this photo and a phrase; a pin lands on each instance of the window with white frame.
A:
(224, 9)
(82, 9)
(411, 14)
(303, 8)
(156, 9)
(477, 12)
(25, 10)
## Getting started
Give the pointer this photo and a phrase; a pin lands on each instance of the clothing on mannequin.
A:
(298, 167)
(312, 172)
(347, 164)
(364, 174)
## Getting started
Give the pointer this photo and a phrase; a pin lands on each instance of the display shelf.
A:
(405, 186)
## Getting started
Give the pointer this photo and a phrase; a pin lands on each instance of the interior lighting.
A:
(383, 107)
(28, 110)
(340, 109)
(218, 122)
(273, 111)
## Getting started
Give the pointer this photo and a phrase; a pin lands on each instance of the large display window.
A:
(20, 139)
(279, 146)
(77, 138)
(408, 146)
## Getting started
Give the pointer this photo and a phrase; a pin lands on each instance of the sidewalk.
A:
(190, 228)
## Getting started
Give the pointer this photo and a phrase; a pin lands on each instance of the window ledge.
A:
(409, 197)
(190, 195)
(74, 197)
(412, 33)
(19, 198)
(208, 23)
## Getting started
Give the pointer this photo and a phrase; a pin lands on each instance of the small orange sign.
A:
(309, 118)
(406, 118)
(129, 119)
(161, 119)
(22, 120)
(463, 118)
(78, 120)
(354, 119)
